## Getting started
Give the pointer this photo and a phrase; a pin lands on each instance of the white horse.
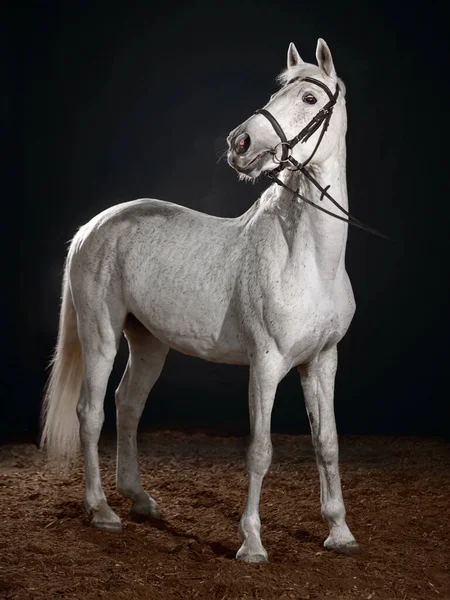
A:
(268, 289)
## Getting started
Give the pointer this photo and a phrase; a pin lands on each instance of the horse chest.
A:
(304, 319)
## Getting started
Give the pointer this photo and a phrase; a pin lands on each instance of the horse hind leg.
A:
(145, 363)
(99, 334)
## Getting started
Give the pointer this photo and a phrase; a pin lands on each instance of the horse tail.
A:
(60, 426)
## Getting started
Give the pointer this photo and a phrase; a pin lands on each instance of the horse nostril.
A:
(242, 143)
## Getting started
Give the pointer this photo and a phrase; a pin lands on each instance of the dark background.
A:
(114, 101)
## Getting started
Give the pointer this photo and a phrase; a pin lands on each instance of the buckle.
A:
(280, 161)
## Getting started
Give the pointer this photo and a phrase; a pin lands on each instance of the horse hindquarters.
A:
(101, 315)
(91, 322)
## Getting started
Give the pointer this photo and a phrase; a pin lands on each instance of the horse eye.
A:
(309, 99)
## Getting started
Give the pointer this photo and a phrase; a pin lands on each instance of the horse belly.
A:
(194, 326)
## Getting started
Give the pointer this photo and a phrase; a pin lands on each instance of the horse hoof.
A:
(348, 548)
(252, 557)
(107, 525)
(106, 519)
(145, 511)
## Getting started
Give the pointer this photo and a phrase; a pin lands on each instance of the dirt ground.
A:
(397, 493)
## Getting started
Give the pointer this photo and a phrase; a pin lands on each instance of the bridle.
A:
(322, 118)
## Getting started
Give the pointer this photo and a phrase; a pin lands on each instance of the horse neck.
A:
(312, 230)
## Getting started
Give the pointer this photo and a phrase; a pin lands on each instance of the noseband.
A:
(322, 118)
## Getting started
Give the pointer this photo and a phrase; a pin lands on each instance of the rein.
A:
(321, 119)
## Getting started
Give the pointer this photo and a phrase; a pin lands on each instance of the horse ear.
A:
(293, 57)
(324, 58)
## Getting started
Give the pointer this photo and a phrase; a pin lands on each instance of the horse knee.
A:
(259, 457)
(327, 450)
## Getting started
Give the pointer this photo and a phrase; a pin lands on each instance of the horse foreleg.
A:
(318, 388)
(264, 378)
(145, 363)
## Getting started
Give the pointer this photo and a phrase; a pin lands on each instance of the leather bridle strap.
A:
(285, 145)
(351, 220)
(323, 114)
(323, 118)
